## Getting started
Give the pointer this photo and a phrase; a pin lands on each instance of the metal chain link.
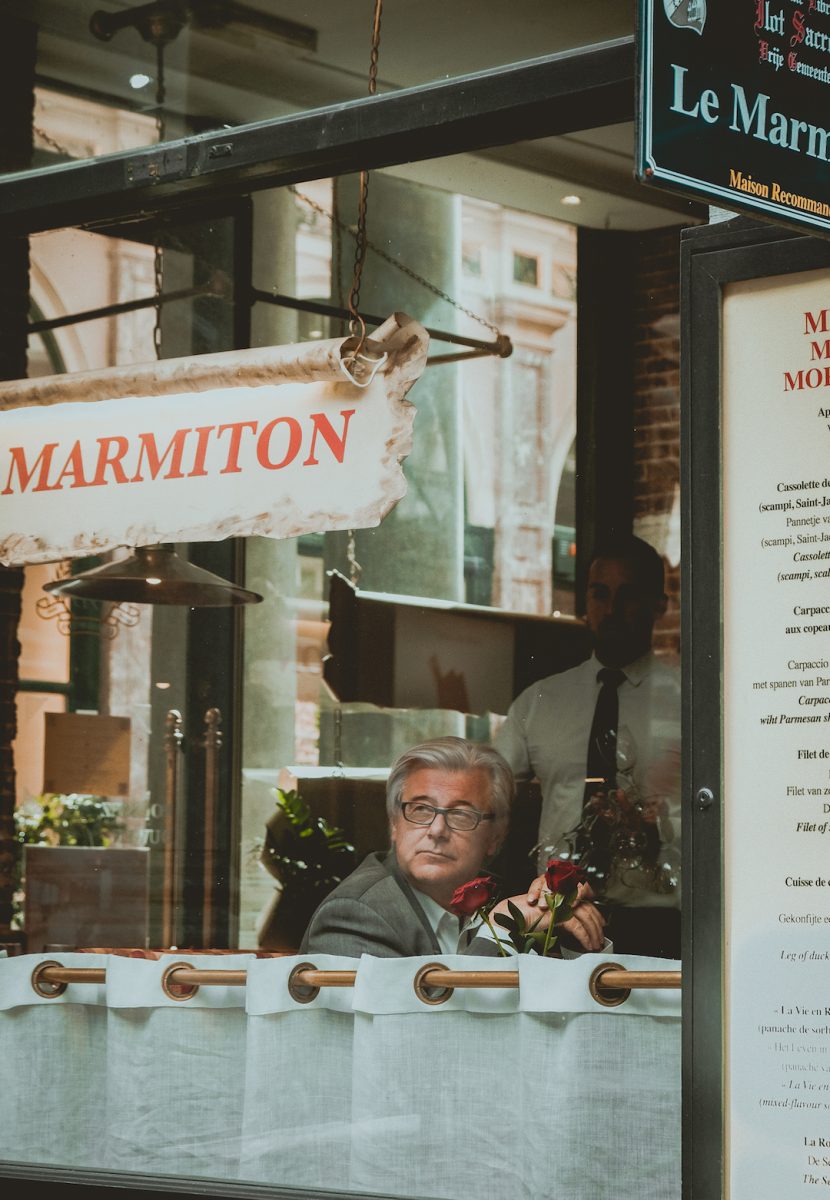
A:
(341, 226)
(337, 241)
(361, 243)
(158, 277)
(363, 200)
(158, 255)
(355, 569)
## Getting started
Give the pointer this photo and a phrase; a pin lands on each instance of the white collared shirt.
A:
(444, 924)
(546, 734)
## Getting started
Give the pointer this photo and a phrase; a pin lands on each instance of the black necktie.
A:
(601, 765)
(593, 845)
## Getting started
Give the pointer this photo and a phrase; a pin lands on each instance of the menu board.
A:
(87, 752)
(776, 734)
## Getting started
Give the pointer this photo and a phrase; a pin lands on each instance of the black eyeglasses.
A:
(461, 819)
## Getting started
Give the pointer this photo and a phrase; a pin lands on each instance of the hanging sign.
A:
(277, 442)
(734, 104)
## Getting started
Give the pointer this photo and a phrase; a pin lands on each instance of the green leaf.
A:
(517, 915)
(551, 945)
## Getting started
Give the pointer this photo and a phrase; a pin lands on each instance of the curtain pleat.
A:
(517, 1093)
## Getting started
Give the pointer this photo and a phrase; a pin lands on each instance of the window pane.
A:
(224, 64)
(44, 648)
(261, 740)
(29, 743)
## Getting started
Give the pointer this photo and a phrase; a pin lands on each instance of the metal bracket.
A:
(169, 163)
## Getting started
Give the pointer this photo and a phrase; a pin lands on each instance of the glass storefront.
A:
(193, 782)
(215, 65)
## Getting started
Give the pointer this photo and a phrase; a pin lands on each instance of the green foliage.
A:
(66, 820)
(523, 937)
(54, 819)
(526, 938)
(305, 853)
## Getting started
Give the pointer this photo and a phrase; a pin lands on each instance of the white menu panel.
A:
(776, 714)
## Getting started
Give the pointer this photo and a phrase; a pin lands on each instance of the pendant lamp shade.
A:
(153, 575)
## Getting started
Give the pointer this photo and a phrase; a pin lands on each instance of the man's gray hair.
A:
(453, 754)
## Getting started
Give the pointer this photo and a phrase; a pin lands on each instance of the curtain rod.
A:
(610, 984)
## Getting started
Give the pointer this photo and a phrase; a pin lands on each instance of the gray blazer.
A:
(374, 911)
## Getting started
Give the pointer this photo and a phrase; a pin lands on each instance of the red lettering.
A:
(148, 448)
(232, 465)
(819, 350)
(41, 465)
(812, 378)
(815, 377)
(74, 468)
(815, 324)
(110, 452)
(204, 432)
(798, 26)
(336, 444)
(295, 437)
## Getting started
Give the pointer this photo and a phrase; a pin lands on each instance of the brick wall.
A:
(657, 413)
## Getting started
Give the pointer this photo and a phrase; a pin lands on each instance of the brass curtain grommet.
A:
(178, 991)
(606, 996)
(431, 994)
(303, 993)
(43, 988)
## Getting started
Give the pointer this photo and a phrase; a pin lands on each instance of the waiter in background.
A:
(603, 739)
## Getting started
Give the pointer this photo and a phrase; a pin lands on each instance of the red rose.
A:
(563, 877)
(469, 898)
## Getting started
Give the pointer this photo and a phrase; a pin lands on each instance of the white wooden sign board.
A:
(276, 442)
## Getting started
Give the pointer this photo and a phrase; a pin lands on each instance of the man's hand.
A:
(586, 923)
(530, 910)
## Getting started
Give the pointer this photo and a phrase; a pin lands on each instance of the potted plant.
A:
(56, 819)
(307, 857)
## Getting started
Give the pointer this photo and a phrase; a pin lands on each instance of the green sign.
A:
(734, 104)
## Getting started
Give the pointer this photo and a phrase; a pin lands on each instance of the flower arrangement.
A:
(624, 837)
(479, 897)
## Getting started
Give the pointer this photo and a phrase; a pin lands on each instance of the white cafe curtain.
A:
(531, 1093)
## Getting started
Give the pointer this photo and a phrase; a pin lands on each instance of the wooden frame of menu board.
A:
(756, 467)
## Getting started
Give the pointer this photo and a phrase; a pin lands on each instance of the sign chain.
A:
(340, 225)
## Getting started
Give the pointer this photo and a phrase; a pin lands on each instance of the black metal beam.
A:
(500, 345)
(125, 306)
(577, 89)
(604, 392)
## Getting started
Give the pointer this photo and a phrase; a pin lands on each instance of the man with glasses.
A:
(448, 803)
